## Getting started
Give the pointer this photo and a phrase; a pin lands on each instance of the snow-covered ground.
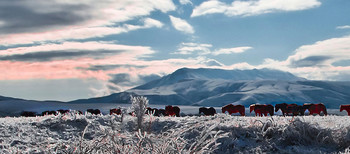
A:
(221, 133)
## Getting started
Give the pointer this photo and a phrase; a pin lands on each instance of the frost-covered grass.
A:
(221, 133)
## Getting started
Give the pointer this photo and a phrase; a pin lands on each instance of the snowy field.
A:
(221, 133)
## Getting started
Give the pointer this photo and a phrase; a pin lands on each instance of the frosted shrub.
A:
(139, 105)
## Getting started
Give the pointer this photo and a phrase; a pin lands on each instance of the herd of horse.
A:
(265, 110)
(259, 110)
(286, 109)
(168, 111)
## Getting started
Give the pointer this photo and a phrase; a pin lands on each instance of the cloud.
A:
(76, 33)
(181, 25)
(185, 2)
(116, 67)
(25, 22)
(322, 53)
(71, 50)
(317, 61)
(252, 7)
(190, 48)
(205, 49)
(231, 50)
(343, 27)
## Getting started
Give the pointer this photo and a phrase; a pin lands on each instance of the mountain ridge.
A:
(216, 87)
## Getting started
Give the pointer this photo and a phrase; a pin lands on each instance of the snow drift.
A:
(221, 133)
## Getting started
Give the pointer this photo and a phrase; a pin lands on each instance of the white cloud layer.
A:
(181, 25)
(185, 2)
(82, 19)
(317, 61)
(205, 49)
(252, 7)
(191, 48)
(343, 27)
(231, 50)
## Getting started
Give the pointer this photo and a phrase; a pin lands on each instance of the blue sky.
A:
(65, 50)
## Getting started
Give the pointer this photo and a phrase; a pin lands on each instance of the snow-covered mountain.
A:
(220, 74)
(215, 87)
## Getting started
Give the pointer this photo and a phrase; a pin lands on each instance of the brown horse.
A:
(207, 111)
(116, 111)
(315, 108)
(172, 111)
(234, 109)
(261, 109)
(346, 108)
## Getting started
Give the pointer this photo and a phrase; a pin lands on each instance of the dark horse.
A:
(172, 111)
(315, 108)
(261, 109)
(28, 114)
(346, 108)
(48, 113)
(233, 109)
(62, 111)
(294, 109)
(155, 111)
(94, 111)
(207, 111)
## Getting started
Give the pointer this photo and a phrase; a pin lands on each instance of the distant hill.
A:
(216, 87)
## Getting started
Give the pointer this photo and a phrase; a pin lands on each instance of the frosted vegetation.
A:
(222, 133)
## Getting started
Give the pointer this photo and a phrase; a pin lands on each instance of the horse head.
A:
(226, 108)
(270, 109)
(342, 108)
(251, 107)
(202, 110)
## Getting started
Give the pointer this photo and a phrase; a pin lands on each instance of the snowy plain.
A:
(222, 133)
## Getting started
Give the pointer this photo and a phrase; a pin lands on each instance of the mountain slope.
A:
(222, 92)
(214, 87)
(219, 74)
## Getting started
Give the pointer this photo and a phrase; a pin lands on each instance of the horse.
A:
(346, 108)
(172, 111)
(154, 111)
(261, 109)
(269, 109)
(233, 109)
(161, 112)
(207, 111)
(48, 113)
(28, 114)
(282, 107)
(116, 111)
(94, 111)
(315, 108)
(61, 111)
(294, 109)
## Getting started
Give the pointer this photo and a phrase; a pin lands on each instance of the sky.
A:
(66, 50)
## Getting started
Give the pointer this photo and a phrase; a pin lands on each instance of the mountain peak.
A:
(183, 74)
